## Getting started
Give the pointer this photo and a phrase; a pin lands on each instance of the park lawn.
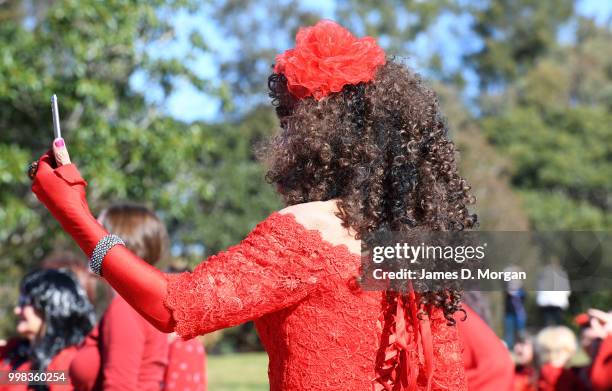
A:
(238, 372)
(249, 371)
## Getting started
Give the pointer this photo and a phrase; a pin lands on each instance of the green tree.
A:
(514, 34)
(554, 126)
(551, 120)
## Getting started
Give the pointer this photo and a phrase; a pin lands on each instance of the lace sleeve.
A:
(272, 268)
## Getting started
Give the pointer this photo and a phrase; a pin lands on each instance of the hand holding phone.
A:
(59, 146)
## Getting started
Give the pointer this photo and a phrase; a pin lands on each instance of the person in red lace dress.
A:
(362, 147)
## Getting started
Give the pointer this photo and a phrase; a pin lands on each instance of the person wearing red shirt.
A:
(555, 347)
(596, 339)
(186, 359)
(555, 378)
(363, 147)
(601, 370)
(525, 373)
(488, 364)
(54, 315)
(125, 352)
(60, 362)
(186, 365)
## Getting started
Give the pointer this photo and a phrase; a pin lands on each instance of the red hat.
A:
(327, 57)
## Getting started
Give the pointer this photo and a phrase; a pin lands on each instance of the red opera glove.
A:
(62, 191)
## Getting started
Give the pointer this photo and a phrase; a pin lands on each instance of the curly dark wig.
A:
(381, 148)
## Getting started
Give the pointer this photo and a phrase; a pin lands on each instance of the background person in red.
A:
(525, 371)
(555, 347)
(54, 315)
(488, 364)
(186, 365)
(125, 352)
(186, 359)
(596, 339)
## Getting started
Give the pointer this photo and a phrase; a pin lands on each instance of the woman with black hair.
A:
(54, 315)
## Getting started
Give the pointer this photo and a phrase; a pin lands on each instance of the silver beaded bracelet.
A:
(103, 246)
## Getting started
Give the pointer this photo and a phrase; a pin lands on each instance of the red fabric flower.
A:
(327, 57)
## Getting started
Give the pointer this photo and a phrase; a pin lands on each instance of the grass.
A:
(249, 371)
(238, 372)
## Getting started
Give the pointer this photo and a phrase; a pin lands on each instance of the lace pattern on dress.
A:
(279, 265)
(274, 267)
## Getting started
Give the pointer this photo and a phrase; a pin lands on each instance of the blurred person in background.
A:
(515, 315)
(125, 352)
(525, 371)
(78, 267)
(596, 340)
(488, 364)
(555, 347)
(186, 359)
(362, 147)
(54, 316)
(553, 293)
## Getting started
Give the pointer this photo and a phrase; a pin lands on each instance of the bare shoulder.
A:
(314, 215)
(321, 216)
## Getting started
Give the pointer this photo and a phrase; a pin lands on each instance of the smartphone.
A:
(57, 132)
(59, 148)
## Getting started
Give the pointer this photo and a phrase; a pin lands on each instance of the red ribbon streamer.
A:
(398, 370)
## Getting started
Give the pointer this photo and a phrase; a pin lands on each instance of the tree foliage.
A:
(553, 123)
(514, 34)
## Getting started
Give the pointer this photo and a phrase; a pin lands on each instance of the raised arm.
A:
(62, 191)
(272, 268)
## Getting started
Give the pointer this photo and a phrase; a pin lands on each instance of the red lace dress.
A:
(320, 330)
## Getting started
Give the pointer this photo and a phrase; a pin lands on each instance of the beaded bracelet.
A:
(103, 246)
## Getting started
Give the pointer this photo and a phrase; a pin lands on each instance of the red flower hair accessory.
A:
(327, 57)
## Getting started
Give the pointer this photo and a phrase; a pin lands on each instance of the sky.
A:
(450, 35)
